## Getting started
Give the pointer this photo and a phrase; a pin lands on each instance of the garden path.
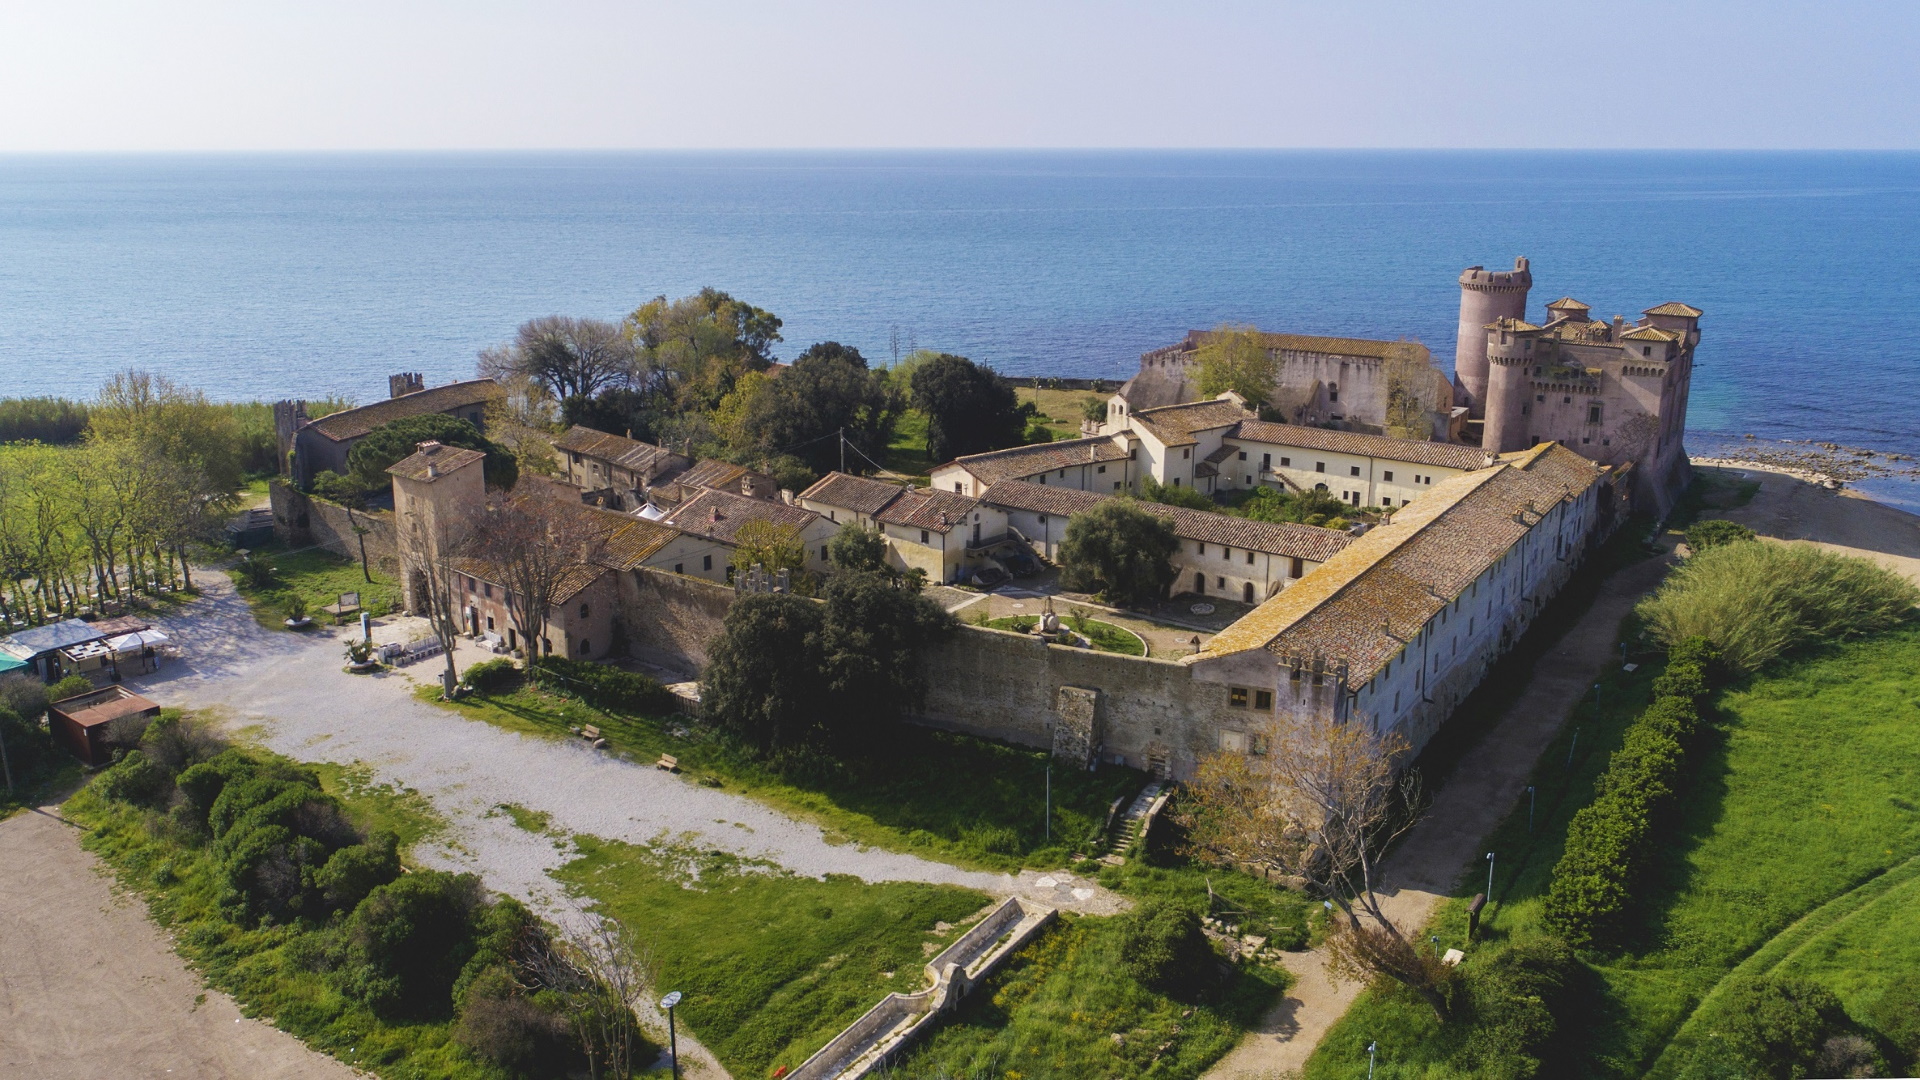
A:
(1430, 861)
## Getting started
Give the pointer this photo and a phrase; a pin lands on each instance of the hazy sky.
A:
(271, 74)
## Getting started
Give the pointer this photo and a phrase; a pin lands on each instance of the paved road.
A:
(90, 988)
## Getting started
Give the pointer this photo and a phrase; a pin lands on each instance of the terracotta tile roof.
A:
(433, 461)
(353, 423)
(1036, 458)
(1568, 303)
(1174, 425)
(1650, 333)
(718, 515)
(856, 493)
(1412, 451)
(922, 508)
(631, 540)
(1370, 599)
(1274, 538)
(572, 581)
(1674, 307)
(1225, 451)
(630, 454)
(1514, 325)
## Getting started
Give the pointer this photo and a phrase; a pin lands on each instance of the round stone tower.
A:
(1485, 295)
(1506, 354)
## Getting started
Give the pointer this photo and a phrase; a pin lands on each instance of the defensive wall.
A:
(300, 520)
(670, 619)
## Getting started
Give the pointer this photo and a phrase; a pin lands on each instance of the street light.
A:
(1529, 807)
(1489, 877)
(1371, 1047)
(673, 1040)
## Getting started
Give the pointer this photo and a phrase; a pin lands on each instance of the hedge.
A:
(598, 684)
(490, 675)
(1609, 839)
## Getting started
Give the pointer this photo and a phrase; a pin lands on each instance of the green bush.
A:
(1757, 601)
(1516, 999)
(24, 694)
(408, 942)
(1784, 1027)
(1715, 532)
(50, 420)
(1609, 840)
(357, 869)
(490, 675)
(598, 684)
(136, 779)
(71, 686)
(1163, 948)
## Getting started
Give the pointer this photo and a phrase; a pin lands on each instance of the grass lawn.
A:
(1105, 636)
(319, 576)
(907, 454)
(1795, 849)
(1060, 407)
(772, 964)
(264, 969)
(1053, 1010)
(957, 798)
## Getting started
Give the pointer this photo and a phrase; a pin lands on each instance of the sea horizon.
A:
(272, 274)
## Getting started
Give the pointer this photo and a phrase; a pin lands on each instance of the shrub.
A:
(135, 779)
(177, 743)
(598, 684)
(71, 686)
(1782, 1027)
(511, 1031)
(1608, 839)
(24, 694)
(490, 675)
(1516, 999)
(357, 869)
(408, 941)
(1162, 946)
(1756, 601)
(1715, 532)
(272, 834)
(50, 420)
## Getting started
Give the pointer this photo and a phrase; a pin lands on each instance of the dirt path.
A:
(1423, 870)
(90, 988)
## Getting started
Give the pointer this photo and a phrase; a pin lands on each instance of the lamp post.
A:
(1489, 877)
(1371, 1047)
(1049, 821)
(1529, 807)
(673, 1040)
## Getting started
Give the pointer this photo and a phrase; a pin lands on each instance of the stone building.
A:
(615, 471)
(308, 448)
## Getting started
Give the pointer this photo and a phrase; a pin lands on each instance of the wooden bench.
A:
(589, 733)
(349, 605)
(668, 762)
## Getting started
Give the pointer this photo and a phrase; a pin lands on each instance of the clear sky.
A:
(428, 74)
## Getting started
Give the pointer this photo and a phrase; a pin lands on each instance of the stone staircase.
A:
(1133, 822)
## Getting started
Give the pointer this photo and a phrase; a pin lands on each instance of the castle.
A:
(1616, 394)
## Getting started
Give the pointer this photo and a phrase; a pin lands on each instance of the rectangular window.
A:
(1243, 455)
(1187, 453)
(1299, 567)
(1593, 414)
(1237, 696)
(1263, 700)
(1200, 548)
(1353, 470)
(1249, 558)
(1286, 462)
(1319, 466)
(923, 536)
(1266, 461)
(1116, 485)
(823, 553)
(1388, 476)
(957, 490)
(1226, 553)
(679, 568)
(1063, 472)
(706, 562)
(1100, 469)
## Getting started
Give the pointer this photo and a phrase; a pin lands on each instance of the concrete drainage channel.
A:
(889, 1027)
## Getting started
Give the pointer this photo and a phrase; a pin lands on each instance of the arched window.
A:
(584, 610)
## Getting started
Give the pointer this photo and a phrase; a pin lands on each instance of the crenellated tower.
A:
(1486, 296)
(1509, 351)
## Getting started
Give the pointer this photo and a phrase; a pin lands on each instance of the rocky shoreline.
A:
(1829, 464)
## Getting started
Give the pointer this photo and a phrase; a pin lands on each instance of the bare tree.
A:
(569, 357)
(601, 971)
(535, 546)
(1318, 806)
(429, 545)
(1415, 390)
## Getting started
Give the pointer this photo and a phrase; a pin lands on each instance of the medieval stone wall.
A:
(301, 520)
(670, 620)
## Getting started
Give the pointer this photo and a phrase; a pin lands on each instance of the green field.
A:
(1105, 636)
(318, 576)
(1795, 850)
(772, 964)
(957, 798)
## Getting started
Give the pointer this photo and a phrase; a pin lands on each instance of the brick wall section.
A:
(300, 521)
(671, 619)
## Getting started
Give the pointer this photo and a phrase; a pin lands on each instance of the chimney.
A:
(1619, 324)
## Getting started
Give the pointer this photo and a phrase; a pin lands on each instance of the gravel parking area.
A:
(289, 692)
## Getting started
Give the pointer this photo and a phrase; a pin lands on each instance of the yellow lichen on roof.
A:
(1674, 307)
(1568, 303)
(1513, 325)
(1268, 621)
(1650, 333)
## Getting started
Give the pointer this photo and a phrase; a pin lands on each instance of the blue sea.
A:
(290, 275)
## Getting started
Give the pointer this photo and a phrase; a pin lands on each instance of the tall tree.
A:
(969, 408)
(429, 545)
(692, 349)
(536, 546)
(175, 422)
(1120, 551)
(1415, 390)
(1236, 358)
(765, 683)
(828, 390)
(368, 461)
(1318, 805)
(871, 644)
(569, 357)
